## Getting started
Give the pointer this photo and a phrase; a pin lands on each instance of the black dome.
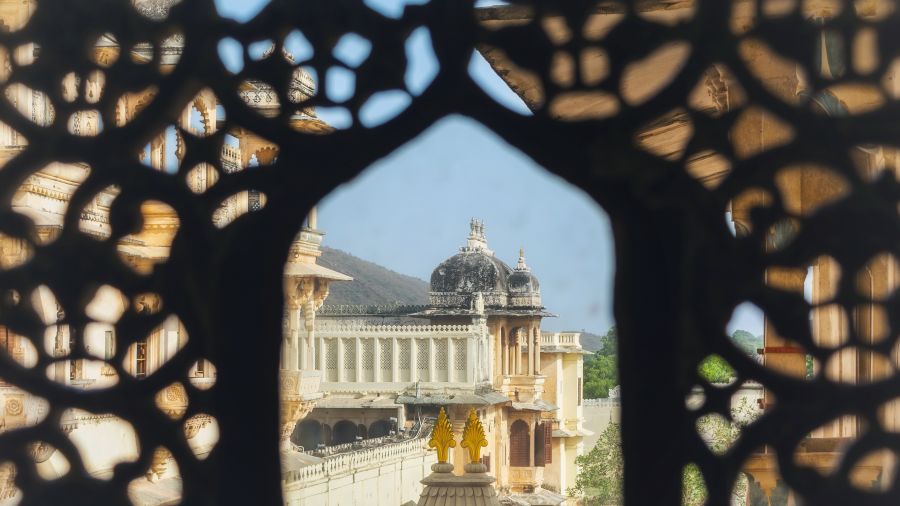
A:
(470, 272)
(523, 282)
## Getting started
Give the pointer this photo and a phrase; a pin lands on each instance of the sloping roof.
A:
(368, 401)
(538, 498)
(443, 399)
(291, 460)
(538, 405)
(314, 271)
(572, 433)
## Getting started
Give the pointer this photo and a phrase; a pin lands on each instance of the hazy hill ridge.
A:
(372, 284)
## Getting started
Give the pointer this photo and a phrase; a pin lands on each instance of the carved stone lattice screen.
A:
(767, 66)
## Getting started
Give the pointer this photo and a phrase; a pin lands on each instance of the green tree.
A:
(601, 370)
(716, 370)
(601, 470)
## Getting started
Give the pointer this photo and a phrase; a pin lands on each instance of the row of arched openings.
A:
(310, 433)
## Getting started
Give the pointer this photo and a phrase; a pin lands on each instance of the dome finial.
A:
(476, 240)
(520, 265)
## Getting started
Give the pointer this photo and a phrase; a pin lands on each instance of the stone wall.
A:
(389, 475)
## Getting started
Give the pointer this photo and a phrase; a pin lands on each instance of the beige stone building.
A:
(477, 345)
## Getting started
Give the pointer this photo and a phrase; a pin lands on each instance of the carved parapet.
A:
(299, 391)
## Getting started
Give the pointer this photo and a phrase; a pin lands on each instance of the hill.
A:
(590, 341)
(747, 342)
(372, 284)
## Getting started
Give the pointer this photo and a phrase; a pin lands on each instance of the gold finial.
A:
(442, 437)
(473, 437)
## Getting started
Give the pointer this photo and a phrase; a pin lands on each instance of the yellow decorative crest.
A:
(473, 437)
(442, 437)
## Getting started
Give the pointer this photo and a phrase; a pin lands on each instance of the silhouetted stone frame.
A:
(679, 270)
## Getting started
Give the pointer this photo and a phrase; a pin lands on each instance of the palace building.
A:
(477, 345)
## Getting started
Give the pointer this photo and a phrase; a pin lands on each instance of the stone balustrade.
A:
(360, 330)
(603, 402)
(370, 309)
(572, 339)
(346, 463)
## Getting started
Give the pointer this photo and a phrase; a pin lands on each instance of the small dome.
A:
(523, 282)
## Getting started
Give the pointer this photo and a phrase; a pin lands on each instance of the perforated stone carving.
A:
(806, 101)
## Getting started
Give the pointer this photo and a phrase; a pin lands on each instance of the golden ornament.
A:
(473, 438)
(442, 437)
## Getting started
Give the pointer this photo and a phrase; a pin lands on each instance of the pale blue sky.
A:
(410, 211)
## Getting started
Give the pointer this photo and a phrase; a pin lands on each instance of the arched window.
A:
(379, 428)
(519, 445)
(343, 432)
(308, 434)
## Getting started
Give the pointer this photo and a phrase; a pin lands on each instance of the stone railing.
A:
(345, 463)
(354, 329)
(602, 402)
(561, 339)
(202, 382)
(370, 310)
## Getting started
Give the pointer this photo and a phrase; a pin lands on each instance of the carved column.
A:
(529, 339)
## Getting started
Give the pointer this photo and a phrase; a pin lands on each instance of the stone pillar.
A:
(505, 349)
(537, 350)
(357, 355)
(519, 369)
(530, 340)
(321, 354)
(340, 359)
(157, 148)
(449, 361)
(470, 365)
(414, 359)
(531, 433)
(431, 375)
(395, 360)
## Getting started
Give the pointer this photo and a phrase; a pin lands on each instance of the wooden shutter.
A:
(548, 442)
(519, 445)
